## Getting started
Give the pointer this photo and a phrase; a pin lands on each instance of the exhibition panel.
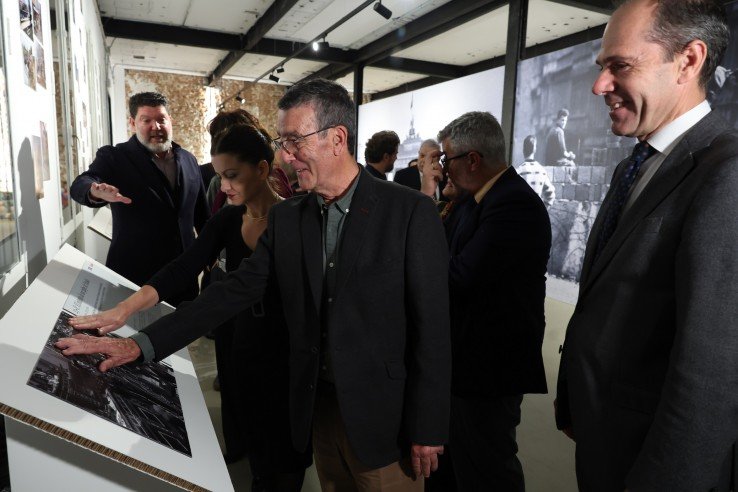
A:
(150, 417)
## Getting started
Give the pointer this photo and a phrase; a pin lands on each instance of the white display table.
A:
(55, 445)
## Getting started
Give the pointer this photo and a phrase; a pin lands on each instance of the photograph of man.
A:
(381, 153)
(499, 248)
(155, 192)
(556, 152)
(370, 386)
(647, 385)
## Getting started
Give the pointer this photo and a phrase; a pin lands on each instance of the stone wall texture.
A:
(192, 104)
(261, 100)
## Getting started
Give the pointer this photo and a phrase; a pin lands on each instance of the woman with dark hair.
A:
(242, 157)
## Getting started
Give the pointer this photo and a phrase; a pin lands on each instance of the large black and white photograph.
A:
(140, 397)
(722, 91)
(419, 115)
(564, 148)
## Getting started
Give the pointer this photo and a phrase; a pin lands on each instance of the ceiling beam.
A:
(435, 22)
(407, 87)
(440, 70)
(161, 33)
(271, 17)
(481, 66)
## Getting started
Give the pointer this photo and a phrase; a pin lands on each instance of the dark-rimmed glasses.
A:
(289, 145)
(445, 160)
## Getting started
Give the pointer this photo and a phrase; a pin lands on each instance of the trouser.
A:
(339, 470)
(482, 444)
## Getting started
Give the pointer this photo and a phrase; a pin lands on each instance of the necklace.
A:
(262, 217)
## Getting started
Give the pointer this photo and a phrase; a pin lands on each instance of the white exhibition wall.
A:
(421, 114)
(29, 49)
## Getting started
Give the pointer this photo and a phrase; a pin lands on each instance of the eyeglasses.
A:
(289, 145)
(445, 160)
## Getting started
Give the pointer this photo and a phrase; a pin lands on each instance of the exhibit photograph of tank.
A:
(140, 397)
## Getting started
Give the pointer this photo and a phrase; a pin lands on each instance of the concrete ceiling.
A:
(464, 44)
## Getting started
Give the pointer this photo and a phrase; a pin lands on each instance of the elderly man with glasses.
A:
(497, 281)
(361, 270)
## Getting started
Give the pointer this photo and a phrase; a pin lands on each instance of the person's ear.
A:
(263, 168)
(132, 124)
(475, 161)
(339, 139)
(691, 60)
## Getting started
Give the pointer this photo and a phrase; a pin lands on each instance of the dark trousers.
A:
(483, 446)
(4, 472)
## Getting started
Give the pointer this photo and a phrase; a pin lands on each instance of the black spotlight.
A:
(240, 98)
(273, 77)
(382, 10)
(321, 45)
(280, 69)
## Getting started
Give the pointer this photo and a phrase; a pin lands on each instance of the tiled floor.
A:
(547, 455)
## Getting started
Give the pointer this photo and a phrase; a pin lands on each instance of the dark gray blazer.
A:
(649, 371)
(388, 326)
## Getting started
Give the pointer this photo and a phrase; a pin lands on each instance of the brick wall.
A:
(192, 104)
(261, 100)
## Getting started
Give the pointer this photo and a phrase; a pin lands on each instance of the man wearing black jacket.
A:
(497, 280)
(155, 191)
(371, 386)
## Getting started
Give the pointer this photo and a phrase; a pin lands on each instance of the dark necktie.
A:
(641, 152)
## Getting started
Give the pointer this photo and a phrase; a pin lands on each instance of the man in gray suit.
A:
(648, 384)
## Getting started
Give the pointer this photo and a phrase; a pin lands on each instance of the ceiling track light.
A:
(382, 10)
(240, 98)
(280, 69)
(321, 45)
(273, 77)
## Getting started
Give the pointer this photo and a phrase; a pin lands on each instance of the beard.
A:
(155, 147)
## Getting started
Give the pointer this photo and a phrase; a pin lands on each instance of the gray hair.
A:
(677, 23)
(332, 104)
(430, 143)
(479, 131)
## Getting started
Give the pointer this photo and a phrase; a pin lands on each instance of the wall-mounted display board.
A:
(419, 115)
(578, 152)
(150, 417)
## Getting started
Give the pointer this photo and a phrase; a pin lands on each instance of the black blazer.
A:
(410, 177)
(497, 280)
(158, 225)
(649, 371)
(388, 325)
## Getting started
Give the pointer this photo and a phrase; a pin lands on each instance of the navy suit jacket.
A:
(497, 282)
(159, 223)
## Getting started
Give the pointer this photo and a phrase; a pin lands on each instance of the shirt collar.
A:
(666, 139)
(343, 203)
(479, 195)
